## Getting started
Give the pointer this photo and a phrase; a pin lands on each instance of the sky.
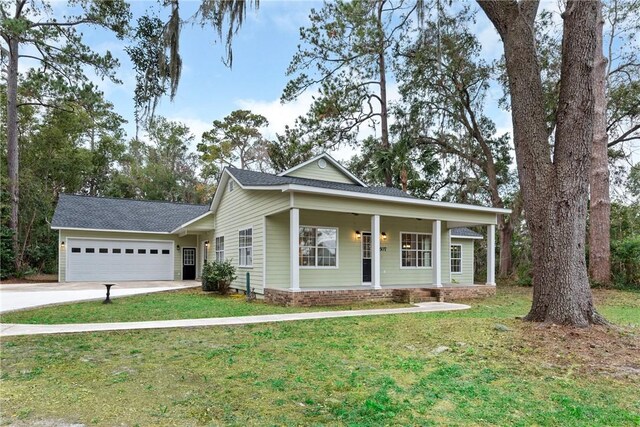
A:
(262, 51)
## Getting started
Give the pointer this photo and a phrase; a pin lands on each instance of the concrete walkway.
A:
(29, 295)
(7, 330)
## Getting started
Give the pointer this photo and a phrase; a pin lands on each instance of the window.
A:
(166, 252)
(415, 250)
(142, 251)
(104, 251)
(318, 247)
(245, 247)
(75, 250)
(456, 258)
(89, 250)
(153, 251)
(129, 251)
(220, 249)
(116, 251)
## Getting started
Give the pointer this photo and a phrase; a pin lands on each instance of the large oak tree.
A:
(554, 179)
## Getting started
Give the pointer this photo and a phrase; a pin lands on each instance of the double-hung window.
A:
(318, 247)
(415, 250)
(220, 249)
(456, 258)
(245, 247)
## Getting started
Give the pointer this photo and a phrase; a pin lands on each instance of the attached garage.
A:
(102, 260)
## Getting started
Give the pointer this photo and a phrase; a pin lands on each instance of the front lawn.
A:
(182, 304)
(474, 367)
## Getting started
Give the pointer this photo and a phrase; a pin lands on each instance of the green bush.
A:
(625, 261)
(6, 253)
(217, 276)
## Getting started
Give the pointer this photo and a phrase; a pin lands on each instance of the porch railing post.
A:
(294, 243)
(436, 250)
(375, 251)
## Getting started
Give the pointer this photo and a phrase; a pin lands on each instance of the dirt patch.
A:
(610, 351)
(36, 278)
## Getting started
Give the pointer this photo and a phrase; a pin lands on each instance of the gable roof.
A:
(261, 179)
(103, 213)
(333, 162)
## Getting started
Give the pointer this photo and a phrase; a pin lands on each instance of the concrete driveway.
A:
(20, 296)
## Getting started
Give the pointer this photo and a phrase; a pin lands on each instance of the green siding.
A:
(186, 241)
(466, 277)
(386, 208)
(349, 270)
(240, 209)
(329, 173)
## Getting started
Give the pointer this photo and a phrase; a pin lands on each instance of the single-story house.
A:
(312, 234)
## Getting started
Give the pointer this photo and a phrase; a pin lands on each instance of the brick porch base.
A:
(348, 296)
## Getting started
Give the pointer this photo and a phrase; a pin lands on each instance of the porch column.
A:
(491, 255)
(375, 251)
(436, 253)
(294, 244)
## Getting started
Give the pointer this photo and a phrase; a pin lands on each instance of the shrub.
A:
(625, 261)
(217, 276)
(6, 253)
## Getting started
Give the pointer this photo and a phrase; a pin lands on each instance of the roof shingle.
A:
(103, 213)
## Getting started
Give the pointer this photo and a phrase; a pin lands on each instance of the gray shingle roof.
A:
(261, 179)
(104, 213)
(464, 232)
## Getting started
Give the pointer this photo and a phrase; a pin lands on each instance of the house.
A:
(312, 234)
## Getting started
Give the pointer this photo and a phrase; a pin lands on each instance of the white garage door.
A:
(102, 260)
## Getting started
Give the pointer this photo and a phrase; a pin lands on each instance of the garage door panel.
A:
(101, 260)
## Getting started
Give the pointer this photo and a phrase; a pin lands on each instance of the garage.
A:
(119, 260)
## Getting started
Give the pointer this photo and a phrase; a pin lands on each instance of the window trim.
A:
(451, 258)
(215, 249)
(321, 267)
(249, 227)
(402, 267)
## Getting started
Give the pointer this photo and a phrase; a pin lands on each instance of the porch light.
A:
(62, 245)
(206, 244)
(384, 236)
(358, 234)
(178, 246)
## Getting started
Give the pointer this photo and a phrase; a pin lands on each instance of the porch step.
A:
(412, 296)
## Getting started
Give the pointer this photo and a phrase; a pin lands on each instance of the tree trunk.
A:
(384, 124)
(13, 153)
(554, 191)
(506, 258)
(600, 207)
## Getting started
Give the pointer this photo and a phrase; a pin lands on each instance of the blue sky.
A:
(262, 51)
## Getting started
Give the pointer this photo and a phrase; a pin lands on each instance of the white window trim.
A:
(450, 259)
(249, 227)
(215, 249)
(321, 267)
(400, 255)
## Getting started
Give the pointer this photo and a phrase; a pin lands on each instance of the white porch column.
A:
(375, 251)
(294, 244)
(436, 253)
(491, 255)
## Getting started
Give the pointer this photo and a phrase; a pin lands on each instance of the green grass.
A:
(351, 371)
(184, 304)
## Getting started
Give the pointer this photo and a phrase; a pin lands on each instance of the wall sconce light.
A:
(206, 244)
(358, 235)
(384, 236)
(178, 246)
(62, 245)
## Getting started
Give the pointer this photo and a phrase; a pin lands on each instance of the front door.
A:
(188, 263)
(366, 258)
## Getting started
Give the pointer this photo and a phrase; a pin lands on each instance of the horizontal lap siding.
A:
(241, 209)
(329, 173)
(466, 277)
(186, 241)
(278, 250)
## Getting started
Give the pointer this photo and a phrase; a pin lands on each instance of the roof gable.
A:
(323, 168)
